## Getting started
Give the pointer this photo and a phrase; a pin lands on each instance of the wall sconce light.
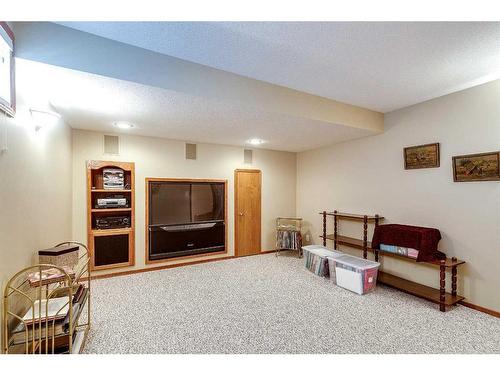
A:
(43, 118)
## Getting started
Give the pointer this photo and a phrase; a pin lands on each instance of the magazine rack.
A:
(48, 315)
(288, 234)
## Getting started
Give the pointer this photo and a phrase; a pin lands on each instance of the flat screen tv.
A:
(172, 202)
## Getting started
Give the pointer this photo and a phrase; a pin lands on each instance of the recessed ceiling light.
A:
(123, 125)
(255, 141)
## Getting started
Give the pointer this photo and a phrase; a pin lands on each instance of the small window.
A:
(7, 92)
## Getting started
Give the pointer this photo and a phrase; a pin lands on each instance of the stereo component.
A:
(113, 178)
(114, 202)
(112, 222)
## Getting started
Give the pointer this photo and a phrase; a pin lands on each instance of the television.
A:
(185, 218)
(186, 202)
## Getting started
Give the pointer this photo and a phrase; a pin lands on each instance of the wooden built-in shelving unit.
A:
(114, 247)
(439, 296)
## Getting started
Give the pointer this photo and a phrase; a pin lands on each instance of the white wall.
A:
(155, 157)
(368, 176)
(35, 190)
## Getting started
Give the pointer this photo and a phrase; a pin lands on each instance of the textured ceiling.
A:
(92, 102)
(377, 65)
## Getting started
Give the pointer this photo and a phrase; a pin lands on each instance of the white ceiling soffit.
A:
(378, 65)
(93, 102)
(65, 47)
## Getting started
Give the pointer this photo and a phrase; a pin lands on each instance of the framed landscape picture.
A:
(424, 156)
(477, 167)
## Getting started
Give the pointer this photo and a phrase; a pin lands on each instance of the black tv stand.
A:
(171, 241)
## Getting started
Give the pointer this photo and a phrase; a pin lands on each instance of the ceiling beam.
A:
(65, 47)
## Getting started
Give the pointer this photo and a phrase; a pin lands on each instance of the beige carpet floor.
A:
(265, 304)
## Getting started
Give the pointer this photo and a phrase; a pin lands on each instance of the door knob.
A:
(241, 214)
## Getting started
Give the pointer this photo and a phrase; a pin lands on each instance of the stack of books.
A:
(55, 314)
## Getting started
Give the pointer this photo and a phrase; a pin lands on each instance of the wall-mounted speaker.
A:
(191, 151)
(111, 144)
(248, 156)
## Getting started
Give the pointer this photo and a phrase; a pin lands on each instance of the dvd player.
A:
(115, 202)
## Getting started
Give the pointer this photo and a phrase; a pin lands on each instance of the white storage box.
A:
(316, 258)
(355, 274)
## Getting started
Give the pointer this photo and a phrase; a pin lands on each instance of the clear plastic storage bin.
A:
(316, 258)
(352, 273)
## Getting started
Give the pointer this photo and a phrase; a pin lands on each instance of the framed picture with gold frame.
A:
(423, 156)
(477, 167)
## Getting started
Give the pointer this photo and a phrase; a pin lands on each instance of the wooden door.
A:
(247, 201)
